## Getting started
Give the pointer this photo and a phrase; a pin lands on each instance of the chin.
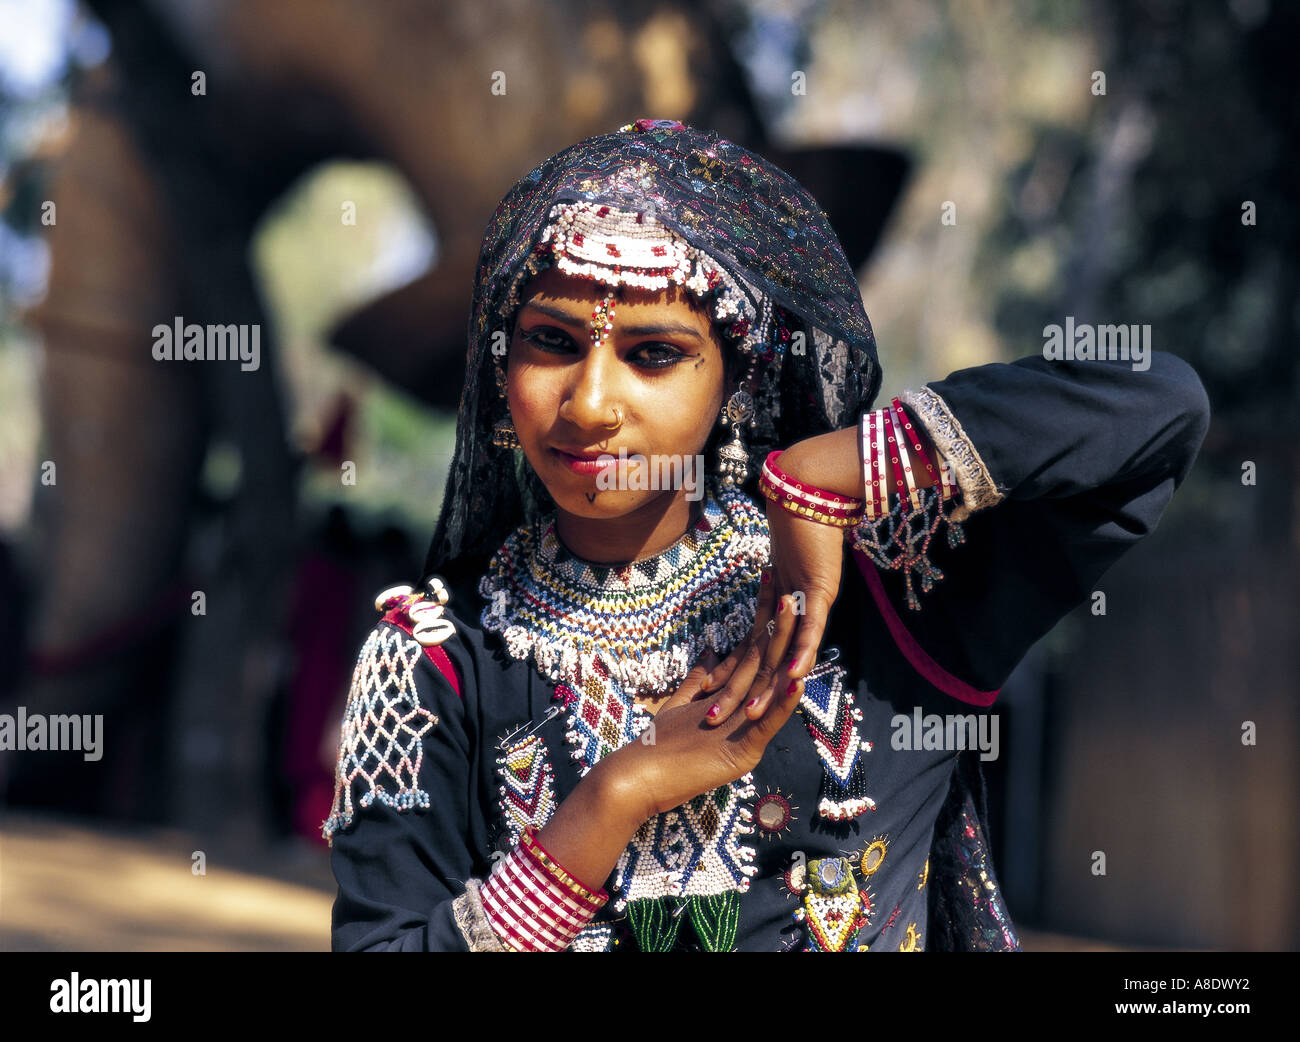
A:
(606, 505)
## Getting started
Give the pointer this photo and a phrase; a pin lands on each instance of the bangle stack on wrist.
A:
(816, 504)
(886, 434)
(533, 904)
(896, 536)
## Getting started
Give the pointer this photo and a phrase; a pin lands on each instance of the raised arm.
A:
(1062, 467)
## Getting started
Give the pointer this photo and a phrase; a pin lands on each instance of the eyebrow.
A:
(645, 329)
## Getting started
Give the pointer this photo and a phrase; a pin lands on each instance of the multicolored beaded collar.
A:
(647, 621)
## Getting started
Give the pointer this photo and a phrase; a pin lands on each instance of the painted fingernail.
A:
(794, 686)
(751, 703)
(713, 711)
(794, 661)
(780, 608)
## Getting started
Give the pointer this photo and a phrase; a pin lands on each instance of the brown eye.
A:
(545, 338)
(657, 356)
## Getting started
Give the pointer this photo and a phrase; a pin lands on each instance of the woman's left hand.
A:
(807, 561)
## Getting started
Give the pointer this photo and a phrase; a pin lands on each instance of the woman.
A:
(636, 706)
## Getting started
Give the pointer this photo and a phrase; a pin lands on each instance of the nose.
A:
(589, 403)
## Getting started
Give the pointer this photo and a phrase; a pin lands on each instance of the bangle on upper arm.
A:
(902, 464)
(896, 533)
(473, 922)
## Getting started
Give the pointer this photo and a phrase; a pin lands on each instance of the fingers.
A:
(808, 638)
(754, 676)
(771, 678)
(777, 712)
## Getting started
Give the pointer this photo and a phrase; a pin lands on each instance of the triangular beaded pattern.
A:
(833, 909)
(527, 787)
(693, 851)
(831, 719)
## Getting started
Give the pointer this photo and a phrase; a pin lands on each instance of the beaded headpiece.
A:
(632, 248)
(734, 229)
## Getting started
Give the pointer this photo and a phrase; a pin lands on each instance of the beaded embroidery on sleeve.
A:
(527, 787)
(382, 729)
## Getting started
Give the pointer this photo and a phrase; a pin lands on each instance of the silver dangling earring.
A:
(733, 457)
(503, 434)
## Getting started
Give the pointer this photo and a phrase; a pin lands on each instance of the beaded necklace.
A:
(641, 624)
(604, 634)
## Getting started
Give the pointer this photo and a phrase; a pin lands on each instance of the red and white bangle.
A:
(828, 508)
(886, 434)
(533, 904)
(874, 449)
(868, 440)
(943, 478)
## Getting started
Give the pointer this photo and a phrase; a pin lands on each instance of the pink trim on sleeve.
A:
(912, 651)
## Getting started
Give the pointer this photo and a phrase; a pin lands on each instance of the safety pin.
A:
(551, 714)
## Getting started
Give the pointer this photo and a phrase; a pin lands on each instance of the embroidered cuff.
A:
(473, 922)
(978, 490)
(533, 904)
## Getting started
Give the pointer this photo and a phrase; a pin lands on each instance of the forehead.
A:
(555, 288)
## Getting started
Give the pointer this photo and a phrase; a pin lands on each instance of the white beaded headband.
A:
(627, 248)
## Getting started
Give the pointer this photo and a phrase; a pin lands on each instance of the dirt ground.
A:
(71, 886)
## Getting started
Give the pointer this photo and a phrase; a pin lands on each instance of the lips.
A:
(585, 461)
(586, 454)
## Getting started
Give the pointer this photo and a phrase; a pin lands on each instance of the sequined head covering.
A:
(736, 231)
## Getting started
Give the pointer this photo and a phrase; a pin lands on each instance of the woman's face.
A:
(662, 365)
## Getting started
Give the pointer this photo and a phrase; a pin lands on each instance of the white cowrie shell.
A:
(428, 625)
(433, 631)
(437, 590)
(384, 599)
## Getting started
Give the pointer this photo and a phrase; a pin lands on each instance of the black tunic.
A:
(1085, 456)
